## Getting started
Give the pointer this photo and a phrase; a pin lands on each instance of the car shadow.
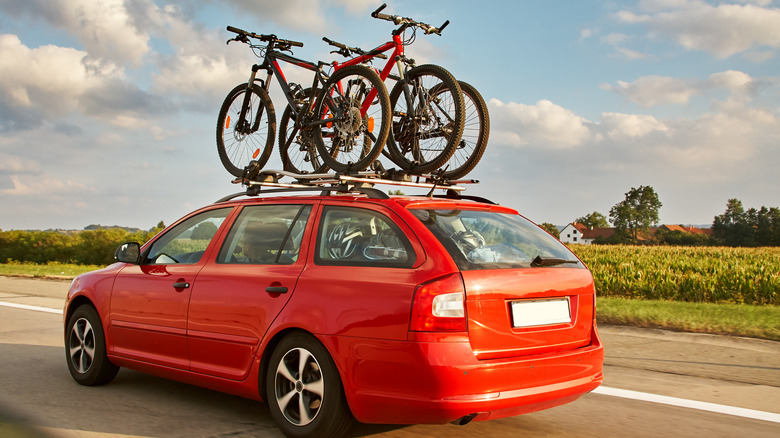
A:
(41, 399)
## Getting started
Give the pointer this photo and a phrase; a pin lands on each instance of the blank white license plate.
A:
(540, 312)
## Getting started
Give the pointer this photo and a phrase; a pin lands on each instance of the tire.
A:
(301, 155)
(423, 139)
(85, 348)
(304, 391)
(238, 145)
(476, 130)
(351, 143)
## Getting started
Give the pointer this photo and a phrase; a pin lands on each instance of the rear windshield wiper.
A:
(549, 261)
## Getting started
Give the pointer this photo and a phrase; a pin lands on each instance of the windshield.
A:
(487, 240)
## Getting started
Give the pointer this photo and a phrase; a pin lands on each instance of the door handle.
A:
(276, 290)
(181, 285)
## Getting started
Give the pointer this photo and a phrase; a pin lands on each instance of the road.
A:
(735, 375)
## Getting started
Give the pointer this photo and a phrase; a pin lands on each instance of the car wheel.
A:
(85, 347)
(304, 391)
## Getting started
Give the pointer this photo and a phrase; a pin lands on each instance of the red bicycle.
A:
(427, 106)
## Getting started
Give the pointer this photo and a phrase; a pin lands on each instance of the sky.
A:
(108, 108)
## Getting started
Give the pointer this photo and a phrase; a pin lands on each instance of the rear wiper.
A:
(549, 261)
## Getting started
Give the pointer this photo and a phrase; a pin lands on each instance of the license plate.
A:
(540, 312)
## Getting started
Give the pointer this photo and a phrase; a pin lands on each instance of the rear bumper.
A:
(440, 381)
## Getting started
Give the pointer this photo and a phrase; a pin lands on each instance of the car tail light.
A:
(439, 305)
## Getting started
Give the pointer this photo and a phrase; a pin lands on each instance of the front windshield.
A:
(487, 240)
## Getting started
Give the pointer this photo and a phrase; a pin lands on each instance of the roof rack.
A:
(271, 181)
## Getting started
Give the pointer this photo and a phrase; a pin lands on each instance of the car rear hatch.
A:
(525, 292)
(514, 312)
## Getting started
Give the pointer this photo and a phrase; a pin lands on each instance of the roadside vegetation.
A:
(719, 290)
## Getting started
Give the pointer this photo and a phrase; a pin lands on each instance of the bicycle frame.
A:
(396, 59)
(271, 66)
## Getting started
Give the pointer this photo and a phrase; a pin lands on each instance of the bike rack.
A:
(272, 181)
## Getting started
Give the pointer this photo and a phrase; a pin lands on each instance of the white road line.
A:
(26, 307)
(692, 404)
(603, 390)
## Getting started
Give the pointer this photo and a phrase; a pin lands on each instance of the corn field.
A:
(689, 274)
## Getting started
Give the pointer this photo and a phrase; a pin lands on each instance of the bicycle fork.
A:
(243, 126)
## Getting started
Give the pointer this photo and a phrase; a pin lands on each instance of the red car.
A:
(342, 307)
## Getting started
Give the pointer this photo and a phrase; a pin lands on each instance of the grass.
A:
(49, 270)
(722, 318)
(728, 319)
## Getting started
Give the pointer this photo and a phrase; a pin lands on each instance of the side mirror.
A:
(129, 253)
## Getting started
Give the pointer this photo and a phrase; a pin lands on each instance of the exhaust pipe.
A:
(466, 419)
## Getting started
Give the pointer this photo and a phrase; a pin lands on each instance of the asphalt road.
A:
(740, 377)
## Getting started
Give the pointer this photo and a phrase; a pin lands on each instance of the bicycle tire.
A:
(300, 155)
(476, 131)
(422, 140)
(349, 143)
(254, 141)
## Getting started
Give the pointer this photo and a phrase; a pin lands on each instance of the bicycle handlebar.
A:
(271, 38)
(405, 21)
(347, 51)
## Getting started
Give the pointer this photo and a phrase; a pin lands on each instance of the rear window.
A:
(488, 240)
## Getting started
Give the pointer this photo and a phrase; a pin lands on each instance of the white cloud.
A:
(17, 164)
(50, 186)
(649, 91)
(49, 82)
(622, 126)
(722, 29)
(202, 66)
(104, 27)
(632, 54)
(655, 90)
(542, 125)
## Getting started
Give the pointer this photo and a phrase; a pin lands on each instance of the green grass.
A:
(729, 319)
(49, 270)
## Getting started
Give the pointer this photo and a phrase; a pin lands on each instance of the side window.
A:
(361, 237)
(266, 234)
(186, 242)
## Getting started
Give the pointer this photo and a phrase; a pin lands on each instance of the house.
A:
(572, 233)
(684, 229)
(579, 233)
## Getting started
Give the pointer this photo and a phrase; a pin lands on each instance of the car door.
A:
(148, 316)
(239, 295)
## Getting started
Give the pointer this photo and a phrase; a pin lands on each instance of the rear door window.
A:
(489, 240)
(361, 237)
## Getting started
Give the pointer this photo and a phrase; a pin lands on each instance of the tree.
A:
(593, 220)
(636, 213)
(552, 229)
(204, 231)
(740, 227)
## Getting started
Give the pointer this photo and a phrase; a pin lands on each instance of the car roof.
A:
(449, 201)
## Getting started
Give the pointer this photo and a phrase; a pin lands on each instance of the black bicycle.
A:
(349, 118)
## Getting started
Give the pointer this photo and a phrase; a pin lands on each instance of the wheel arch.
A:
(77, 302)
(269, 348)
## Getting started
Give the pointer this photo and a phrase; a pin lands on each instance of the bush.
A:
(91, 247)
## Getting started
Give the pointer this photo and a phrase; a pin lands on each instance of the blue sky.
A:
(108, 107)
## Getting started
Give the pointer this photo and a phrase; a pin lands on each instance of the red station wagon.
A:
(347, 306)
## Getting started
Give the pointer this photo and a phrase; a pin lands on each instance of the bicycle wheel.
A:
(300, 154)
(240, 141)
(427, 126)
(346, 140)
(476, 130)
